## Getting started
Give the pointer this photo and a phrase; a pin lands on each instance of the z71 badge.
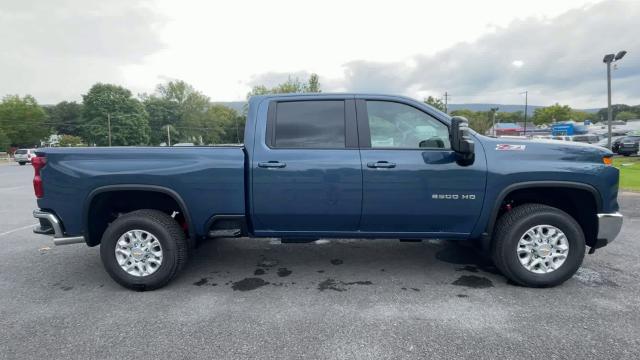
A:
(510, 147)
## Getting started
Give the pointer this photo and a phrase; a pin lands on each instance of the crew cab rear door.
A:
(306, 171)
(412, 182)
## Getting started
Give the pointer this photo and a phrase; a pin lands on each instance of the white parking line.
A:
(15, 188)
(18, 229)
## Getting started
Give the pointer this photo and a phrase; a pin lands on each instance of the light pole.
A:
(493, 118)
(526, 103)
(608, 59)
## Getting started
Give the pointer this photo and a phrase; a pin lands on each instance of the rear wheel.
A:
(538, 245)
(144, 249)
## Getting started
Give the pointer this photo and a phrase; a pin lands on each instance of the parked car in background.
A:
(23, 156)
(561, 137)
(604, 140)
(629, 145)
(587, 138)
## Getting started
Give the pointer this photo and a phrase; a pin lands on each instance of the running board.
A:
(225, 233)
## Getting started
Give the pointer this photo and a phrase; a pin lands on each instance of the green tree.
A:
(293, 85)
(5, 142)
(70, 140)
(510, 117)
(313, 84)
(129, 123)
(23, 120)
(615, 109)
(579, 115)
(553, 113)
(189, 107)
(162, 113)
(479, 121)
(65, 118)
(436, 103)
(218, 125)
(627, 115)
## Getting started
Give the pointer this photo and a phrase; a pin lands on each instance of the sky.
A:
(477, 51)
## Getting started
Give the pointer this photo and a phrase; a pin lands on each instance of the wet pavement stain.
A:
(259, 272)
(466, 255)
(248, 284)
(201, 282)
(473, 281)
(336, 262)
(214, 284)
(415, 289)
(462, 296)
(330, 284)
(66, 288)
(367, 282)
(320, 271)
(336, 285)
(283, 272)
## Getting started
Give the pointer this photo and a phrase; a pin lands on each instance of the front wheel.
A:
(143, 249)
(538, 245)
(21, 163)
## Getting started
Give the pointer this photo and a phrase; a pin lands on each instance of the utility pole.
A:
(168, 136)
(608, 59)
(109, 126)
(526, 103)
(446, 102)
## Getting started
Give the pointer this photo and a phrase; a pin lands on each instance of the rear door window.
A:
(310, 125)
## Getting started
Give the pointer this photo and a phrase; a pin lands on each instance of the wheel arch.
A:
(89, 200)
(530, 185)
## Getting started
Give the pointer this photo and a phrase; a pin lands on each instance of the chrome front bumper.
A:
(609, 226)
(55, 228)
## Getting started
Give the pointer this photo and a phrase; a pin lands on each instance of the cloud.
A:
(556, 59)
(51, 49)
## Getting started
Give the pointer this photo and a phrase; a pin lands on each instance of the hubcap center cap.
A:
(137, 253)
(543, 250)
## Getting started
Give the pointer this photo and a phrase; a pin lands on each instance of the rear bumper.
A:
(51, 225)
(609, 226)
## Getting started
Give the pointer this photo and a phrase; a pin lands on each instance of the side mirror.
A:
(461, 140)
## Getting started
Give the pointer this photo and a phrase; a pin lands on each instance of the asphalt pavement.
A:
(249, 298)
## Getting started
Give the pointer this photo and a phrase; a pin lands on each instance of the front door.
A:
(307, 175)
(412, 182)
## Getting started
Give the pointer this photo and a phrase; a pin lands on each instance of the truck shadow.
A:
(247, 264)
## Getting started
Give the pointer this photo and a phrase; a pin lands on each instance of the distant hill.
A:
(504, 108)
(239, 107)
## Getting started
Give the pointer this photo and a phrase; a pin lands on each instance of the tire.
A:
(173, 249)
(513, 226)
(21, 163)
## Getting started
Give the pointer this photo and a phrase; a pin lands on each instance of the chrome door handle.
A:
(381, 165)
(272, 164)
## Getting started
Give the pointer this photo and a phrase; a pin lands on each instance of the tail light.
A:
(38, 163)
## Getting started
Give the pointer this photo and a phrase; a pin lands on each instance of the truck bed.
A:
(210, 180)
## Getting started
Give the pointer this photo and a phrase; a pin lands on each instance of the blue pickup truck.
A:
(334, 166)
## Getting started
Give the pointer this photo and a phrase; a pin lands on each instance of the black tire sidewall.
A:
(552, 217)
(169, 258)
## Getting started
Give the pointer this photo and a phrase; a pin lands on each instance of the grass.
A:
(629, 172)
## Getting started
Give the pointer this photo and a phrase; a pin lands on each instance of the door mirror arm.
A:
(461, 140)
